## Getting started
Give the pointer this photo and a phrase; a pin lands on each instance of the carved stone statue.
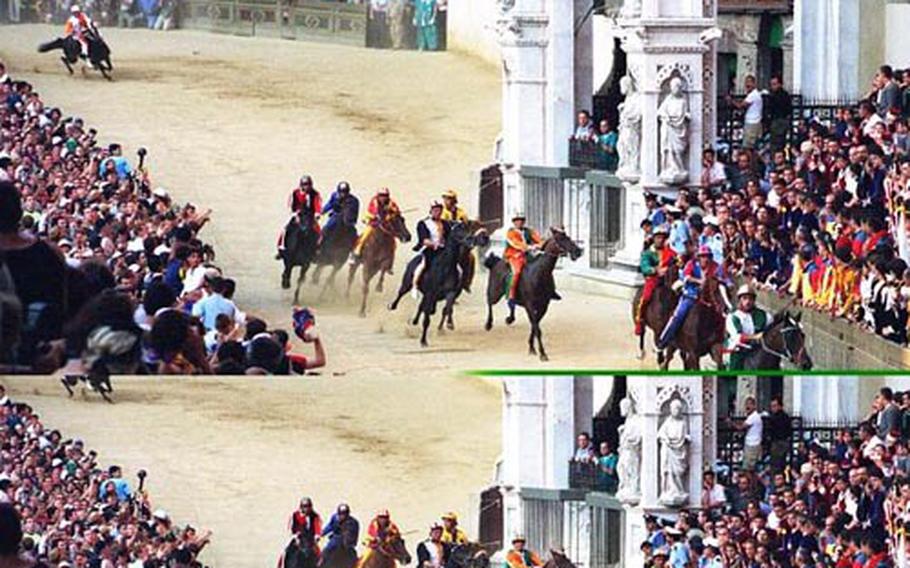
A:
(629, 143)
(628, 467)
(673, 438)
(630, 9)
(674, 118)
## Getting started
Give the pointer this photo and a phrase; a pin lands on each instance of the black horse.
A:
(470, 555)
(536, 288)
(441, 280)
(298, 554)
(300, 243)
(784, 339)
(99, 54)
(337, 243)
(344, 555)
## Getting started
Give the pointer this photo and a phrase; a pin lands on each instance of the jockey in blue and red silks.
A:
(694, 276)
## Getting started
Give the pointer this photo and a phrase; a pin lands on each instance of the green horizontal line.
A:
(680, 373)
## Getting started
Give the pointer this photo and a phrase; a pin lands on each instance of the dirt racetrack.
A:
(235, 455)
(231, 123)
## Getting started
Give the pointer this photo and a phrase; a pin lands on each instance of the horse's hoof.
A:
(544, 357)
(285, 285)
(450, 326)
(510, 320)
(488, 326)
(424, 343)
(640, 356)
(391, 307)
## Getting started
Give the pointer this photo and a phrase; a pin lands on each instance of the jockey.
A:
(342, 530)
(519, 241)
(451, 532)
(381, 529)
(520, 557)
(431, 236)
(380, 210)
(342, 207)
(305, 204)
(434, 551)
(306, 524)
(694, 277)
(77, 25)
(744, 327)
(451, 211)
(655, 261)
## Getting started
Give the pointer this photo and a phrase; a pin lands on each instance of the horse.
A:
(99, 54)
(98, 382)
(784, 339)
(298, 555)
(378, 255)
(334, 251)
(558, 559)
(441, 280)
(468, 555)
(386, 555)
(339, 557)
(535, 289)
(657, 313)
(300, 242)
(702, 332)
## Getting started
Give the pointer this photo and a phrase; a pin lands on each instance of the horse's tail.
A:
(51, 45)
(491, 260)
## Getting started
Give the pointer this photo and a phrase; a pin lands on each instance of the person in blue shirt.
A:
(655, 212)
(679, 551)
(712, 239)
(210, 307)
(342, 530)
(121, 486)
(679, 230)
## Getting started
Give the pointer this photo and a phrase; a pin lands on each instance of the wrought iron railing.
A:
(590, 155)
(300, 19)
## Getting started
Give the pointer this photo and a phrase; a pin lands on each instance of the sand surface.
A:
(231, 123)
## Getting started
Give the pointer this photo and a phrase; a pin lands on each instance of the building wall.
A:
(872, 41)
(471, 29)
(897, 40)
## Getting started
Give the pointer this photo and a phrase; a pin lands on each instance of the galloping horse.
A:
(98, 52)
(535, 289)
(337, 243)
(378, 255)
(386, 555)
(441, 280)
(558, 559)
(784, 339)
(470, 555)
(300, 242)
(657, 313)
(298, 555)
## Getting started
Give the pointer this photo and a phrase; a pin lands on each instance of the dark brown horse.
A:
(536, 288)
(378, 255)
(783, 340)
(701, 334)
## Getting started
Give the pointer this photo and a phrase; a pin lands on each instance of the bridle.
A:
(788, 353)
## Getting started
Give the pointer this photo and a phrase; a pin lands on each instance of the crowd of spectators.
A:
(60, 509)
(818, 212)
(841, 503)
(406, 24)
(101, 272)
(152, 14)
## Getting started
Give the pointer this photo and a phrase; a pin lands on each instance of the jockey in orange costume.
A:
(519, 240)
(77, 25)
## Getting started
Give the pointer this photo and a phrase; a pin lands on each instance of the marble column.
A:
(746, 28)
(826, 48)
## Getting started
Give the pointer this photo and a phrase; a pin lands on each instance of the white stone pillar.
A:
(559, 106)
(826, 48)
(828, 399)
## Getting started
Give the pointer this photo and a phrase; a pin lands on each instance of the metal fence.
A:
(606, 219)
(730, 441)
(300, 19)
(543, 190)
(587, 526)
(730, 118)
(490, 199)
(589, 155)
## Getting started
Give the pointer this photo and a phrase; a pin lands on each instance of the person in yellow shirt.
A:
(521, 557)
(451, 211)
(451, 532)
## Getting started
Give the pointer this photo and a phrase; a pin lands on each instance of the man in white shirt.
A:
(713, 494)
(754, 106)
(753, 427)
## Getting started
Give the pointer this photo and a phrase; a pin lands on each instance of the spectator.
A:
(584, 451)
(753, 107)
(606, 139)
(607, 478)
(584, 129)
(780, 112)
(752, 425)
(780, 434)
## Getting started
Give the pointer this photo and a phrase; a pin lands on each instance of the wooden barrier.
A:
(334, 22)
